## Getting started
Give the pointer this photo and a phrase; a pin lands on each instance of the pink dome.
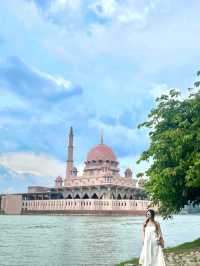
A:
(101, 152)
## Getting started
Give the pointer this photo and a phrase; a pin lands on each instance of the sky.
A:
(90, 64)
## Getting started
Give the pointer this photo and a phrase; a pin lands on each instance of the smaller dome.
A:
(58, 179)
(128, 172)
(141, 181)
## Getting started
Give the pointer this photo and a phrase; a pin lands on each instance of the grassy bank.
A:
(185, 247)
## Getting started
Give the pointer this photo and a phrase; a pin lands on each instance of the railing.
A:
(84, 204)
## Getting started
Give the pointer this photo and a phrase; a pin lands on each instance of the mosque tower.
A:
(70, 161)
(101, 140)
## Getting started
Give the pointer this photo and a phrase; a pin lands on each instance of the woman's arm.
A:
(143, 232)
(161, 240)
(159, 231)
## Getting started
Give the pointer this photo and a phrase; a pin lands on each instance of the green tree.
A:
(174, 130)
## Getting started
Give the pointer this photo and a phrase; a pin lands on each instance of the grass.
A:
(185, 246)
(133, 261)
(177, 249)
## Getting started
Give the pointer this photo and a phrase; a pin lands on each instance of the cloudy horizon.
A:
(92, 65)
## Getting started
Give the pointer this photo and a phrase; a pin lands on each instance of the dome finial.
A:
(101, 136)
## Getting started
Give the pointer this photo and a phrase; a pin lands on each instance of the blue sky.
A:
(90, 64)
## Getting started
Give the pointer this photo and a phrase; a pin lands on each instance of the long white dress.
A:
(152, 253)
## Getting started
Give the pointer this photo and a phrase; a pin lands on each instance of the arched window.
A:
(103, 196)
(113, 196)
(85, 196)
(94, 196)
(119, 196)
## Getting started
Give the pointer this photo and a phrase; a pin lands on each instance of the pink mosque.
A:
(100, 190)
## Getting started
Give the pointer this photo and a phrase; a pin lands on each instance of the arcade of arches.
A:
(104, 193)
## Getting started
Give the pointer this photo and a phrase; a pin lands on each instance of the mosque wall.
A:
(85, 205)
(104, 180)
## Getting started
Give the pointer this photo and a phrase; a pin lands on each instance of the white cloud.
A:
(125, 12)
(108, 48)
(158, 89)
(131, 162)
(40, 165)
(150, 47)
(117, 132)
(28, 13)
(104, 8)
(60, 82)
(60, 5)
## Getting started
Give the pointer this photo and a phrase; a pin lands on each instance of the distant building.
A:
(101, 176)
(100, 189)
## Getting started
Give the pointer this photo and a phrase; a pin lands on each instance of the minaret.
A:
(69, 154)
(101, 140)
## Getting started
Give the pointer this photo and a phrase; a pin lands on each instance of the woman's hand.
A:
(161, 242)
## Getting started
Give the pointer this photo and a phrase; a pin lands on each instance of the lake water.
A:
(82, 240)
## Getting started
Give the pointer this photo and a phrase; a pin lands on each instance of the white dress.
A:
(152, 253)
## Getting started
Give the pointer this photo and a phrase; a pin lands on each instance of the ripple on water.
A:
(82, 240)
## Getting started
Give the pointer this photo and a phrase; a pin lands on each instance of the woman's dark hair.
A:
(150, 214)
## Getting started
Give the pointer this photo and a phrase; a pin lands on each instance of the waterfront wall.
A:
(11, 204)
(15, 204)
(88, 206)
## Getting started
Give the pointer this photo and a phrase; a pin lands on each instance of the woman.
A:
(152, 253)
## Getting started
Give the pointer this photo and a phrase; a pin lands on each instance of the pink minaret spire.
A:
(70, 161)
